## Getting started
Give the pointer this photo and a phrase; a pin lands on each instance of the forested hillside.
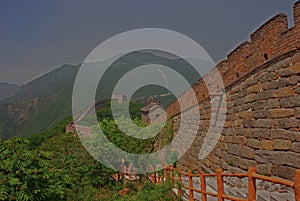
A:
(54, 166)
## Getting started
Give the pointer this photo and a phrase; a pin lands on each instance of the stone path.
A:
(262, 195)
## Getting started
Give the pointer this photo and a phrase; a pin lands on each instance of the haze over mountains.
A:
(44, 102)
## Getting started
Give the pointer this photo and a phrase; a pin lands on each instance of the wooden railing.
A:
(170, 172)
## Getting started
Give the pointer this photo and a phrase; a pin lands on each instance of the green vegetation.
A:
(54, 165)
(143, 191)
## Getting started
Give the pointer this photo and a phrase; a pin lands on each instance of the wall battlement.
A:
(261, 101)
(268, 42)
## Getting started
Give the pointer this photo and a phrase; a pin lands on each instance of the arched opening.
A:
(266, 56)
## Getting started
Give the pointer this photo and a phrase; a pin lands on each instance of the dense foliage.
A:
(55, 165)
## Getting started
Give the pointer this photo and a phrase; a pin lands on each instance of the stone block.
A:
(293, 101)
(295, 147)
(254, 143)
(284, 92)
(282, 112)
(245, 115)
(246, 163)
(260, 114)
(266, 123)
(249, 123)
(266, 144)
(272, 103)
(247, 152)
(236, 139)
(279, 144)
(282, 134)
(283, 171)
(288, 123)
(254, 89)
(264, 169)
(297, 112)
(259, 105)
(261, 133)
(233, 149)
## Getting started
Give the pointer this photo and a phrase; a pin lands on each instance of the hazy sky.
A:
(37, 36)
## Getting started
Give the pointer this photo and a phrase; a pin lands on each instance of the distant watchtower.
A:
(153, 112)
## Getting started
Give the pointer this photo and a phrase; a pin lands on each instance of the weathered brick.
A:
(233, 149)
(277, 113)
(266, 144)
(265, 169)
(254, 89)
(246, 106)
(290, 101)
(261, 133)
(291, 70)
(247, 152)
(254, 143)
(278, 157)
(288, 123)
(259, 105)
(238, 123)
(297, 136)
(295, 147)
(266, 77)
(282, 134)
(294, 79)
(284, 92)
(223, 146)
(236, 139)
(246, 132)
(246, 163)
(246, 115)
(260, 114)
(268, 94)
(272, 103)
(297, 112)
(249, 123)
(283, 171)
(279, 144)
(250, 98)
(266, 123)
(242, 93)
(232, 160)
(274, 85)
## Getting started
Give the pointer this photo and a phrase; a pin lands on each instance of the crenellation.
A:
(268, 42)
(261, 80)
(296, 13)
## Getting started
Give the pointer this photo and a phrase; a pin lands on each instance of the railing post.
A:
(220, 184)
(165, 173)
(191, 192)
(172, 174)
(251, 184)
(203, 186)
(180, 182)
(297, 185)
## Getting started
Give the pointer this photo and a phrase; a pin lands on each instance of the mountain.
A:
(44, 102)
(7, 90)
(38, 105)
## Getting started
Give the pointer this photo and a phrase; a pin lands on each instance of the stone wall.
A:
(262, 83)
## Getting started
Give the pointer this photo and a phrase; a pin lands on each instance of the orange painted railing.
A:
(169, 173)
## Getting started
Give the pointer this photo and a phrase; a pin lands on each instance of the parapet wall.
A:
(270, 41)
(262, 126)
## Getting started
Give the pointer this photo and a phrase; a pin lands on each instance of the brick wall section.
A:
(262, 126)
(272, 39)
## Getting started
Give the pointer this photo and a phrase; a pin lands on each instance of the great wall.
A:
(261, 79)
(262, 94)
